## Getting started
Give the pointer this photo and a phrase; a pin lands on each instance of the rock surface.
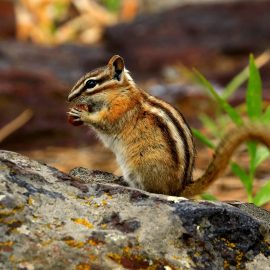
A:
(7, 15)
(50, 220)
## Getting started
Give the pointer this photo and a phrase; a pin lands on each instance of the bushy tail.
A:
(223, 154)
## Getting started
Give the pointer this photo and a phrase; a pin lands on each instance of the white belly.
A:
(115, 145)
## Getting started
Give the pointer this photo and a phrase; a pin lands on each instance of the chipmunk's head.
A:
(95, 85)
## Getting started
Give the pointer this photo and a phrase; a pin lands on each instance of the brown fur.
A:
(223, 154)
(152, 141)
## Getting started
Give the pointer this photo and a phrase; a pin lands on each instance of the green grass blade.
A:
(252, 151)
(222, 103)
(266, 116)
(263, 195)
(254, 91)
(210, 125)
(262, 154)
(207, 85)
(239, 79)
(235, 117)
(202, 138)
(112, 5)
(238, 171)
(235, 83)
(208, 197)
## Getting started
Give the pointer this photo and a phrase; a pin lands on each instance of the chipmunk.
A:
(152, 141)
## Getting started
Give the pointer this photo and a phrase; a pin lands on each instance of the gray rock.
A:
(50, 220)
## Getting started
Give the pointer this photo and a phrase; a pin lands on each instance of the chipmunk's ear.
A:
(117, 66)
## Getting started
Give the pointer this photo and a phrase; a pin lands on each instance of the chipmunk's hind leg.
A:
(159, 178)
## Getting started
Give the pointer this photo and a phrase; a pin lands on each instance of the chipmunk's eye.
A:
(90, 84)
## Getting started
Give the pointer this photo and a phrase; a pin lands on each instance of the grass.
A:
(254, 108)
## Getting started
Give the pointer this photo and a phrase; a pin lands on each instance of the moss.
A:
(6, 246)
(69, 240)
(131, 259)
(46, 243)
(104, 202)
(84, 222)
(92, 257)
(83, 266)
(228, 243)
(92, 242)
(4, 212)
(74, 243)
(239, 259)
(30, 200)
(108, 195)
(103, 226)
(226, 264)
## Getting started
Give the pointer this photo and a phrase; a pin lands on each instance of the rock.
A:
(7, 15)
(50, 220)
(67, 63)
(39, 78)
(36, 77)
(20, 90)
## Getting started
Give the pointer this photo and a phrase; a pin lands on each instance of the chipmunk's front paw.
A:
(77, 116)
(75, 112)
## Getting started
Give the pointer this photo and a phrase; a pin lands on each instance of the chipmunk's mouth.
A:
(75, 121)
(83, 105)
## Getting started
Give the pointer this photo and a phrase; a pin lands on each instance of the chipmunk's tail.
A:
(223, 154)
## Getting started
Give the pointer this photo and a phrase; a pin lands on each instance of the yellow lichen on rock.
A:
(84, 222)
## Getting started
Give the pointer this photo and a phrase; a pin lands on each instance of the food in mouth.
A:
(73, 120)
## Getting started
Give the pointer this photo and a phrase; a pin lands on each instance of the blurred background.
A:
(46, 45)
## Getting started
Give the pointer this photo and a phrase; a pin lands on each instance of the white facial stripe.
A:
(75, 92)
(89, 90)
(79, 89)
(103, 85)
(97, 78)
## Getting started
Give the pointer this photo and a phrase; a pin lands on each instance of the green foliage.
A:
(208, 197)
(263, 195)
(244, 177)
(236, 118)
(235, 83)
(254, 92)
(266, 116)
(255, 113)
(202, 138)
(112, 5)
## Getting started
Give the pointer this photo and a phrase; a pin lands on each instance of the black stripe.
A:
(188, 169)
(167, 136)
(192, 158)
(97, 91)
(84, 88)
(77, 95)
